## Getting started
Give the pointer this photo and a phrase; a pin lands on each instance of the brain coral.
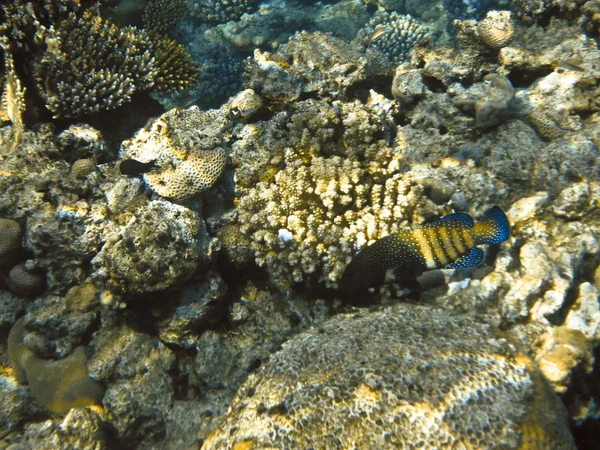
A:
(187, 149)
(402, 377)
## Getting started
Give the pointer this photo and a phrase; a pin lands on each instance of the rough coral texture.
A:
(77, 79)
(399, 377)
(162, 15)
(187, 148)
(394, 34)
(141, 259)
(496, 29)
(221, 11)
(312, 63)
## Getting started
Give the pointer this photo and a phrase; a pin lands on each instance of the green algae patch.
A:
(57, 385)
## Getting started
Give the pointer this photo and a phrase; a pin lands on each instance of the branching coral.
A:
(313, 217)
(175, 68)
(113, 63)
(394, 34)
(222, 11)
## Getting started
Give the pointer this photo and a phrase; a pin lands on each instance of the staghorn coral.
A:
(187, 148)
(103, 74)
(394, 34)
(445, 381)
(162, 15)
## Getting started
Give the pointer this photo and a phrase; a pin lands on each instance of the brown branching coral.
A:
(100, 75)
(174, 66)
(82, 63)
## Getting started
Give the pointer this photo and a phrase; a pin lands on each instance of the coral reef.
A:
(496, 29)
(221, 11)
(445, 381)
(175, 69)
(312, 63)
(463, 9)
(174, 259)
(394, 34)
(489, 101)
(103, 74)
(187, 148)
(10, 241)
(142, 258)
(162, 15)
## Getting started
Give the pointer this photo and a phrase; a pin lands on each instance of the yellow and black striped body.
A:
(449, 242)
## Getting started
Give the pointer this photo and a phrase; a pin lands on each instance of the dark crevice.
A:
(521, 78)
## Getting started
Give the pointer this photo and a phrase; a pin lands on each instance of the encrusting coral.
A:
(58, 385)
(187, 149)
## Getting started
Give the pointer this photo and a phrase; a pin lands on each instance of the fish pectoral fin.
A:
(472, 259)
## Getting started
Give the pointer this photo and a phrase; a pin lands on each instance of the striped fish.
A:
(449, 243)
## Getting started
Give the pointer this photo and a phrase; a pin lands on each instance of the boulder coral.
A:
(399, 377)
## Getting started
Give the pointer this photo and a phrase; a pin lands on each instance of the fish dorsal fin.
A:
(472, 259)
(462, 218)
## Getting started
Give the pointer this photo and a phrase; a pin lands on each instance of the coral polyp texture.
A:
(187, 149)
(401, 377)
(394, 34)
(162, 15)
(92, 65)
(221, 11)
(143, 258)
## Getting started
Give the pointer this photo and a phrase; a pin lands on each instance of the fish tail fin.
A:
(492, 228)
